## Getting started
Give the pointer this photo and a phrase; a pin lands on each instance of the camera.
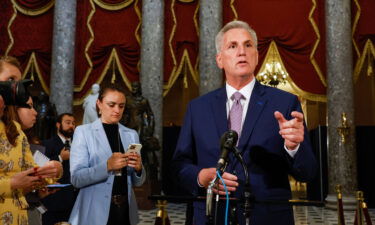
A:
(15, 92)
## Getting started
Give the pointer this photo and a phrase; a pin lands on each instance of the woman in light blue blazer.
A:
(103, 169)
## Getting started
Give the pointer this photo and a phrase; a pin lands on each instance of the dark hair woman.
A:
(103, 169)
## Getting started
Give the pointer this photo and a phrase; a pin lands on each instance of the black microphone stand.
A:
(247, 190)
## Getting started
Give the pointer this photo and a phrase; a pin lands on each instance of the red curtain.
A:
(31, 35)
(6, 12)
(300, 38)
(32, 4)
(111, 29)
(181, 35)
(287, 23)
(363, 27)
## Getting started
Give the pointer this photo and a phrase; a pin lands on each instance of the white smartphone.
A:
(135, 148)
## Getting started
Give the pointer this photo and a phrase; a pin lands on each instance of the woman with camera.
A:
(19, 174)
(103, 169)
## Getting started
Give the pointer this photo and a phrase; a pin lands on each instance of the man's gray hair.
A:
(232, 25)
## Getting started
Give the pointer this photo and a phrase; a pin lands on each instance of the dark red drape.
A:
(32, 4)
(287, 23)
(112, 29)
(181, 35)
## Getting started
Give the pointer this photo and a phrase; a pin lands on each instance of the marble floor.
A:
(304, 215)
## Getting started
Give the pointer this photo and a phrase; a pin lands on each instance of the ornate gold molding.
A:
(33, 63)
(33, 12)
(291, 86)
(136, 33)
(234, 10)
(185, 59)
(113, 60)
(195, 18)
(87, 47)
(176, 71)
(317, 33)
(368, 50)
(355, 23)
(9, 30)
(115, 6)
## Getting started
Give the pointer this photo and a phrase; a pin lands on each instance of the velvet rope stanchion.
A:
(340, 208)
(362, 215)
(366, 213)
(358, 219)
(162, 215)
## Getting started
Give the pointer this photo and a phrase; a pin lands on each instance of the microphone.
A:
(67, 145)
(228, 142)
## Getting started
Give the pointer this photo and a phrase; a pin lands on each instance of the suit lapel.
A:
(256, 105)
(218, 106)
(101, 137)
(125, 138)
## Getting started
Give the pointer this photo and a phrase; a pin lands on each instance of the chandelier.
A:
(273, 74)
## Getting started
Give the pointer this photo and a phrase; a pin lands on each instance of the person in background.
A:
(60, 204)
(103, 169)
(19, 174)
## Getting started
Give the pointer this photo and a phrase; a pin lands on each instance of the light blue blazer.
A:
(89, 153)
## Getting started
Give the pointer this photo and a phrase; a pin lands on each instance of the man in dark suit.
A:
(271, 145)
(60, 204)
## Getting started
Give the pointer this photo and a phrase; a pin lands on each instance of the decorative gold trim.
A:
(136, 34)
(293, 87)
(312, 58)
(234, 10)
(172, 79)
(115, 6)
(368, 49)
(176, 71)
(112, 60)
(88, 45)
(196, 24)
(172, 36)
(355, 23)
(33, 63)
(33, 12)
(186, 1)
(9, 30)
(195, 19)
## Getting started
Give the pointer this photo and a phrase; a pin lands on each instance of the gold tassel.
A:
(113, 71)
(32, 71)
(370, 70)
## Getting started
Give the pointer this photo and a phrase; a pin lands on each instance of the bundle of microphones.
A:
(228, 144)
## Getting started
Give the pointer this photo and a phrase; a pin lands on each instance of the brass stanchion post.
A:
(162, 215)
(340, 208)
(358, 220)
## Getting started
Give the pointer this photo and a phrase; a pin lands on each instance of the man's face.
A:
(239, 55)
(67, 126)
(8, 72)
